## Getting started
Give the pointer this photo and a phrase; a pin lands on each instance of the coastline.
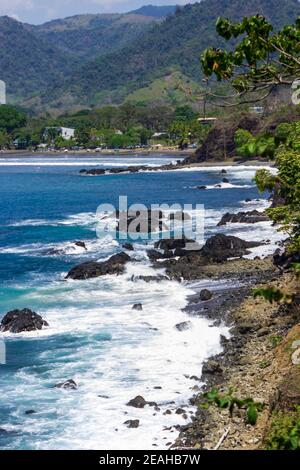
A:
(255, 361)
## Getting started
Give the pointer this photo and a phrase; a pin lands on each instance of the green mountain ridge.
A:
(174, 44)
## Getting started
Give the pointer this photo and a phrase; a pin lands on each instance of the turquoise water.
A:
(94, 337)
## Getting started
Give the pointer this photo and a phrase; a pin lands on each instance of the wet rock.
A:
(185, 325)
(220, 247)
(132, 423)
(93, 172)
(154, 255)
(180, 411)
(225, 180)
(90, 269)
(30, 412)
(80, 245)
(137, 402)
(202, 187)
(67, 385)
(158, 278)
(250, 217)
(223, 171)
(138, 307)
(172, 244)
(128, 247)
(205, 295)
(18, 321)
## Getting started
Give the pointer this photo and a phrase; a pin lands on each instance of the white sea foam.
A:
(143, 350)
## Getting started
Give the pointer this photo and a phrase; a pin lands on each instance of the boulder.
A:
(185, 325)
(128, 246)
(202, 187)
(90, 269)
(18, 321)
(138, 307)
(220, 247)
(224, 171)
(251, 217)
(225, 180)
(30, 412)
(169, 244)
(205, 295)
(67, 385)
(137, 402)
(80, 245)
(132, 423)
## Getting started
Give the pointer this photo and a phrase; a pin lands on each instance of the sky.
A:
(40, 11)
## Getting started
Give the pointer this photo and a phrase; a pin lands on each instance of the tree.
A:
(261, 61)
(11, 118)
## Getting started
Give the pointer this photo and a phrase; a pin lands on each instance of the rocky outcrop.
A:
(284, 260)
(90, 269)
(183, 326)
(18, 321)
(250, 217)
(220, 247)
(140, 402)
(220, 141)
(205, 295)
(138, 307)
(132, 423)
(67, 385)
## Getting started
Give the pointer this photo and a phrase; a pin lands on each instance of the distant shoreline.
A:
(131, 153)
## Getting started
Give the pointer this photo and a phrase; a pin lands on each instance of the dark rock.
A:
(223, 171)
(80, 244)
(169, 244)
(211, 367)
(90, 269)
(158, 278)
(128, 246)
(251, 217)
(225, 180)
(186, 325)
(154, 255)
(137, 402)
(67, 385)
(286, 259)
(202, 187)
(220, 247)
(30, 412)
(132, 423)
(205, 295)
(138, 307)
(180, 411)
(18, 321)
(93, 172)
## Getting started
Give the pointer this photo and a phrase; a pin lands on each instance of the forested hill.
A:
(155, 11)
(34, 57)
(175, 44)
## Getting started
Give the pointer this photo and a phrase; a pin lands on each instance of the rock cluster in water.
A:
(18, 321)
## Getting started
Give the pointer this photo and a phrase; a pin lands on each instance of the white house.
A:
(67, 133)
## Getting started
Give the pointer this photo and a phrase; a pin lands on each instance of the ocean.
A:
(94, 337)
